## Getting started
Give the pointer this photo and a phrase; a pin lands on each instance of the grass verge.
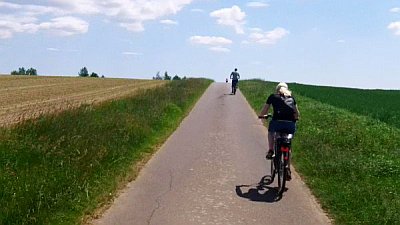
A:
(351, 162)
(57, 169)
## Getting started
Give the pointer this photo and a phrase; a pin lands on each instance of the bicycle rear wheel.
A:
(273, 168)
(282, 173)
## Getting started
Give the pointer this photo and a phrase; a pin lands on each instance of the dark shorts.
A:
(282, 126)
(234, 83)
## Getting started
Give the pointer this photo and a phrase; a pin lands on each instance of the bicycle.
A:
(281, 160)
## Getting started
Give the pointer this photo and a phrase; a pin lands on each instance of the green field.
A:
(383, 105)
(348, 156)
(59, 169)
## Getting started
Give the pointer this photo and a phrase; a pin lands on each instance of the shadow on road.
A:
(259, 192)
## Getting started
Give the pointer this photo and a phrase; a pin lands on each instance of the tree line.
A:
(167, 77)
(33, 72)
(85, 73)
(23, 71)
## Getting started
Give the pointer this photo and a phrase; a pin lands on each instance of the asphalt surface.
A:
(208, 172)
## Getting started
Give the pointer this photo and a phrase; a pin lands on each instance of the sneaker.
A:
(288, 175)
(270, 154)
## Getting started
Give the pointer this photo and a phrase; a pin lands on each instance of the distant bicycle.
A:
(281, 160)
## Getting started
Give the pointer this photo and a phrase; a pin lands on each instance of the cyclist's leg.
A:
(271, 139)
(236, 82)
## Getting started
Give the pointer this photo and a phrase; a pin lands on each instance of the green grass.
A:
(383, 105)
(57, 169)
(350, 161)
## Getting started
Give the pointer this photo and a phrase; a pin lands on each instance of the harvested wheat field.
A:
(28, 97)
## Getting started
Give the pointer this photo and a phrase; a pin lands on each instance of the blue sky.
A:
(351, 43)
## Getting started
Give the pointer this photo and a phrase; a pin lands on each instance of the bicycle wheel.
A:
(273, 168)
(281, 170)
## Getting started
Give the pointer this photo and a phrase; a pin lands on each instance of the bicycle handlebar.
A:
(265, 116)
(270, 116)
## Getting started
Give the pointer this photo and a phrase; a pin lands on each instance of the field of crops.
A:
(27, 97)
(383, 105)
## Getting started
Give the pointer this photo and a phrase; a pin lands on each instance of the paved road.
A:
(194, 177)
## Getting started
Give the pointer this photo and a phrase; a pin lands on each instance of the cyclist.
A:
(235, 79)
(285, 114)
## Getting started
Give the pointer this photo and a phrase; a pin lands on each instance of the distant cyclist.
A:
(235, 79)
(285, 114)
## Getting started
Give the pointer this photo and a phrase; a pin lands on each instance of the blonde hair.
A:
(282, 89)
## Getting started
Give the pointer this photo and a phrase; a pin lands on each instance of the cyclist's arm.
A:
(265, 109)
(231, 76)
(296, 113)
(238, 76)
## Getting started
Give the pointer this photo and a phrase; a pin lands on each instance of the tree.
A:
(21, 71)
(158, 76)
(84, 72)
(176, 77)
(93, 74)
(184, 78)
(31, 72)
(166, 76)
(14, 72)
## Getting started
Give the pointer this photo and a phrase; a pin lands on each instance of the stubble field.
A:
(27, 97)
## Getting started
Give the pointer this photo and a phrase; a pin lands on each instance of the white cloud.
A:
(55, 14)
(134, 27)
(395, 27)
(78, 6)
(169, 22)
(219, 49)
(395, 10)
(233, 17)
(341, 41)
(28, 9)
(65, 26)
(215, 44)
(139, 11)
(268, 37)
(10, 24)
(257, 4)
(209, 40)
